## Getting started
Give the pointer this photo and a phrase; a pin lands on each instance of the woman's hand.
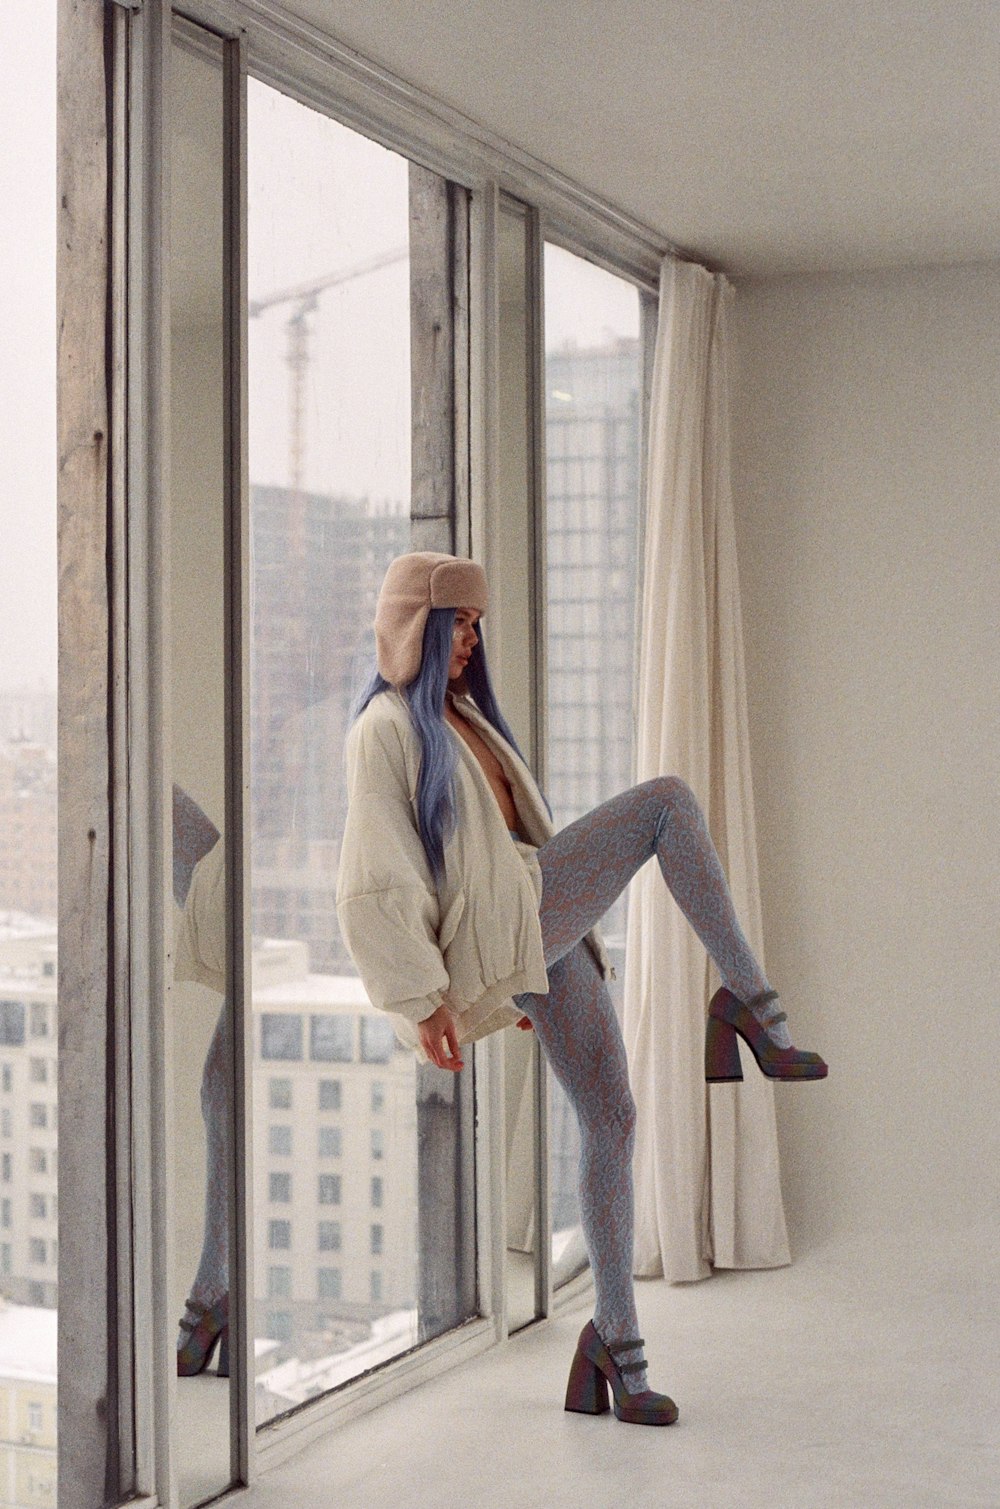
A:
(524, 1024)
(438, 1036)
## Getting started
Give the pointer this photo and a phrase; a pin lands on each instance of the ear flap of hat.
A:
(414, 584)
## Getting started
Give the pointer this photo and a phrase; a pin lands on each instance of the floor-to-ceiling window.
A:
(351, 1268)
(322, 352)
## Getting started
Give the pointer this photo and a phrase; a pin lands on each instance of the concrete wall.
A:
(867, 482)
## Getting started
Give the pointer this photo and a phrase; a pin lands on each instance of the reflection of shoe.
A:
(594, 1368)
(204, 1330)
(728, 1016)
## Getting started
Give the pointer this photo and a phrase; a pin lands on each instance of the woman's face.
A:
(463, 641)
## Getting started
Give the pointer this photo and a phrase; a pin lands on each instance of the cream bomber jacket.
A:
(474, 936)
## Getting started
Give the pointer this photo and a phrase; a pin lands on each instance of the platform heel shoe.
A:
(594, 1368)
(728, 1016)
(211, 1325)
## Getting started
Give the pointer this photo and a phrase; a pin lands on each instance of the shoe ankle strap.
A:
(761, 999)
(625, 1346)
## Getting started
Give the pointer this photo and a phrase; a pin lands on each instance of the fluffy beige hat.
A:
(413, 585)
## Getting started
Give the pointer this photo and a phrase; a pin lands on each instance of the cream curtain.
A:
(706, 1163)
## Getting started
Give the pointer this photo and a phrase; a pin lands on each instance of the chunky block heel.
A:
(722, 1052)
(728, 1016)
(594, 1369)
(587, 1390)
(203, 1332)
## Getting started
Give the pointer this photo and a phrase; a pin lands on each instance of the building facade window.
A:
(329, 1095)
(329, 1189)
(328, 1283)
(280, 1036)
(378, 1041)
(280, 1094)
(329, 1236)
(279, 1234)
(280, 1141)
(12, 1017)
(279, 1282)
(331, 1039)
(279, 1188)
(329, 1142)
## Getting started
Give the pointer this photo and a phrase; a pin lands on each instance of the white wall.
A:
(867, 488)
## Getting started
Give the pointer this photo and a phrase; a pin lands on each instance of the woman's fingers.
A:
(439, 1039)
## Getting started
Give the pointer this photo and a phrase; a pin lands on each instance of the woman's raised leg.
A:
(588, 865)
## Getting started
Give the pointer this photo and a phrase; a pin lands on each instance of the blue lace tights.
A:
(584, 869)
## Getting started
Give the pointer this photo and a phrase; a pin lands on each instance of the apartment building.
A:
(27, 1407)
(29, 1211)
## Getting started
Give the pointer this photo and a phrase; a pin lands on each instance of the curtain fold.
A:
(706, 1161)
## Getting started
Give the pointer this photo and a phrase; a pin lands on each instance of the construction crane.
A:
(304, 298)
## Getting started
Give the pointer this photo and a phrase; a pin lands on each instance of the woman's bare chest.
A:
(490, 765)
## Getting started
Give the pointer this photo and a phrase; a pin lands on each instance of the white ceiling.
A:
(762, 136)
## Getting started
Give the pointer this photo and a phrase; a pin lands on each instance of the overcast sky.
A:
(327, 204)
(27, 354)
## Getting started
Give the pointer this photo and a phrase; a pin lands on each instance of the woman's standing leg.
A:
(580, 1036)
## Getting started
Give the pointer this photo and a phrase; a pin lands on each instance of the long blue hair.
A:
(438, 757)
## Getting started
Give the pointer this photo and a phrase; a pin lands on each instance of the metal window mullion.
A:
(237, 744)
(145, 801)
(484, 424)
(536, 567)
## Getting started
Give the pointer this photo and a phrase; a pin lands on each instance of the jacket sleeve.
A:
(387, 903)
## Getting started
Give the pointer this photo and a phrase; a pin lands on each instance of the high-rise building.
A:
(592, 430)
(28, 829)
(29, 1248)
(334, 1163)
(310, 653)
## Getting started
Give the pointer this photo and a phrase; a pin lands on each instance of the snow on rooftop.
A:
(27, 1343)
(23, 925)
(313, 990)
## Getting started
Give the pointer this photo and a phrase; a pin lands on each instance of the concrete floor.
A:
(865, 1376)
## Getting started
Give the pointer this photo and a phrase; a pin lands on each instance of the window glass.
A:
(280, 1035)
(338, 261)
(593, 409)
(329, 1094)
(331, 1038)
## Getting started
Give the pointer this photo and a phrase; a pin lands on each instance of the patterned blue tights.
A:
(584, 869)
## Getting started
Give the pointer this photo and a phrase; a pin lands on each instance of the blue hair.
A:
(436, 808)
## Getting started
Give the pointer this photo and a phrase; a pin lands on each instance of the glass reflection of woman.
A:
(199, 888)
(465, 913)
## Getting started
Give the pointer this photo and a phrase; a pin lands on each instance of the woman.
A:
(464, 914)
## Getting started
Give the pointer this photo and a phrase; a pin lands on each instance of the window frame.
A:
(114, 1227)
